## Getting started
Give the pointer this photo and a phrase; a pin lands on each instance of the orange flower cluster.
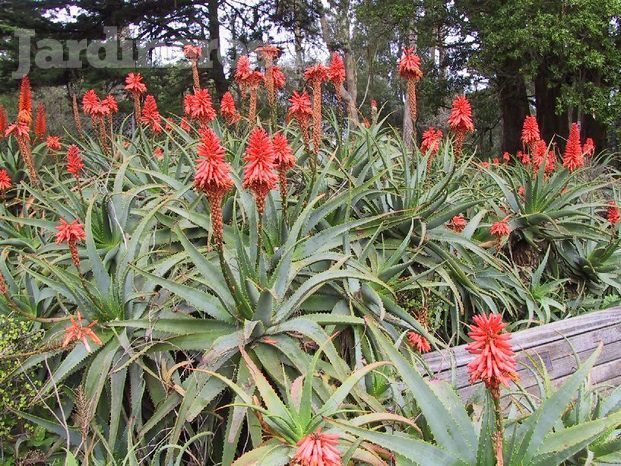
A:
(431, 144)
(460, 122)
(71, 233)
(78, 332)
(20, 129)
(418, 342)
(612, 213)
(458, 223)
(495, 360)
(193, 53)
(228, 110)
(501, 228)
(74, 161)
(573, 157)
(336, 73)
(301, 110)
(4, 122)
(150, 115)
(136, 87)
(53, 143)
(40, 122)
(213, 178)
(5, 181)
(318, 449)
(198, 106)
(259, 174)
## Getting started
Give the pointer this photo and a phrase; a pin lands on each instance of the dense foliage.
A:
(191, 312)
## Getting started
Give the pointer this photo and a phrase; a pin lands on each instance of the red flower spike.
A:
(134, 84)
(524, 157)
(110, 104)
(316, 72)
(539, 151)
(268, 52)
(213, 178)
(253, 81)
(418, 342)
(198, 106)
(5, 181)
(283, 154)
(301, 110)
(4, 122)
(228, 110)
(40, 122)
(458, 223)
(279, 77)
(19, 129)
(300, 107)
(501, 228)
(612, 213)
(530, 132)
(495, 360)
(74, 161)
(284, 160)
(259, 176)
(409, 65)
(573, 158)
(409, 69)
(588, 148)
(150, 116)
(506, 157)
(550, 162)
(25, 96)
(431, 144)
(242, 72)
(318, 449)
(71, 233)
(192, 52)
(460, 121)
(336, 73)
(212, 171)
(90, 103)
(315, 75)
(78, 332)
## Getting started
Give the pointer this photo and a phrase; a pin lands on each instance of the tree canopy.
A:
(556, 59)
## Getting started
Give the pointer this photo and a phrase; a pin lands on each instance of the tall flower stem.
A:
(195, 76)
(76, 114)
(252, 107)
(137, 110)
(459, 143)
(412, 105)
(102, 135)
(499, 430)
(260, 209)
(282, 181)
(316, 120)
(24, 148)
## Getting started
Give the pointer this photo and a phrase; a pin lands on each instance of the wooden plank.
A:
(556, 344)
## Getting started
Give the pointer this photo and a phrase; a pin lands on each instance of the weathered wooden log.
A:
(556, 346)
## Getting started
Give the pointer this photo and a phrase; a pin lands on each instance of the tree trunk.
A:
(513, 106)
(546, 96)
(217, 69)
